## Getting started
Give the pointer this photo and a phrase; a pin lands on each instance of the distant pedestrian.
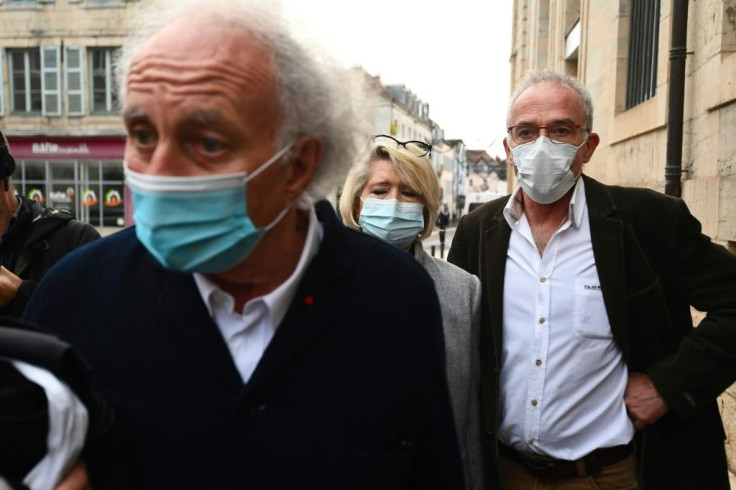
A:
(592, 372)
(392, 193)
(443, 219)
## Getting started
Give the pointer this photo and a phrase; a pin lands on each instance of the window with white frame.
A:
(103, 97)
(24, 67)
(35, 80)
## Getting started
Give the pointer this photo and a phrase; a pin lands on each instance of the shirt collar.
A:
(515, 206)
(277, 301)
(578, 203)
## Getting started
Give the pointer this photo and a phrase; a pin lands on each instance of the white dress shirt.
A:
(249, 332)
(562, 375)
(68, 422)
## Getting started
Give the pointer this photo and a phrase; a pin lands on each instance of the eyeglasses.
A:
(418, 148)
(565, 132)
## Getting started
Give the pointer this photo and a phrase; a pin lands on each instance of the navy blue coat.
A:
(350, 393)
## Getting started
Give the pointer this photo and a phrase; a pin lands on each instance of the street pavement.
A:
(434, 241)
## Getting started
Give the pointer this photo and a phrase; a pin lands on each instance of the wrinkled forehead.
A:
(201, 44)
(195, 62)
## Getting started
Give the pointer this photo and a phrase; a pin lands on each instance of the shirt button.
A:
(534, 403)
(542, 279)
(542, 320)
(538, 362)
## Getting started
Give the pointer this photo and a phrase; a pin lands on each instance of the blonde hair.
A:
(416, 172)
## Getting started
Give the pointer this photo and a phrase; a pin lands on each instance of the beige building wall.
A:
(633, 142)
(62, 23)
(69, 151)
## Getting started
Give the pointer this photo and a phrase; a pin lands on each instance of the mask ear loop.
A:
(260, 169)
(269, 162)
(587, 134)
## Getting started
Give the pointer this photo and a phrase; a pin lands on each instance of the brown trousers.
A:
(618, 476)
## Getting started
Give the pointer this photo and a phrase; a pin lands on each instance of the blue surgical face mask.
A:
(395, 222)
(196, 224)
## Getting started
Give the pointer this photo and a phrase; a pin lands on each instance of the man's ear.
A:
(590, 145)
(509, 154)
(307, 154)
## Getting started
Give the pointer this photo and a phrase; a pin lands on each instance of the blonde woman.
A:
(392, 193)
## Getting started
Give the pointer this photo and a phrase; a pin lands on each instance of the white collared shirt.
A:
(68, 422)
(562, 375)
(249, 332)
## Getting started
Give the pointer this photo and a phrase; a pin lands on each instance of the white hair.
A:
(540, 75)
(317, 98)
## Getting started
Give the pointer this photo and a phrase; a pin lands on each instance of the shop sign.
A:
(36, 195)
(65, 197)
(89, 198)
(67, 148)
(112, 198)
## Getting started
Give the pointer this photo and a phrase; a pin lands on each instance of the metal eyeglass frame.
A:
(510, 130)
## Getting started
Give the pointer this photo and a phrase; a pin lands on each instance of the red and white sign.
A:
(67, 148)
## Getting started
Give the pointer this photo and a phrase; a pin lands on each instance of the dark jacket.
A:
(24, 411)
(34, 241)
(653, 263)
(351, 392)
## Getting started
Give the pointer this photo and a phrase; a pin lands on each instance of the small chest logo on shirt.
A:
(594, 287)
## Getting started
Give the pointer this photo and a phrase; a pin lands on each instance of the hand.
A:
(643, 402)
(76, 479)
(9, 285)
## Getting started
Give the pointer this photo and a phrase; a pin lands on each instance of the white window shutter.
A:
(2, 90)
(51, 80)
(74, 81)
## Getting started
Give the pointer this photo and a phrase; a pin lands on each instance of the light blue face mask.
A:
(393, 221)
(196, 224)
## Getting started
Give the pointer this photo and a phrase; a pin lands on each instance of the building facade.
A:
(629, 54)
(59, 106)
(485, 173)
(456, 148)
(443, 158)
(403, 115)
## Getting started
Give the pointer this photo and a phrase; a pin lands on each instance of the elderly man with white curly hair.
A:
(242, 334)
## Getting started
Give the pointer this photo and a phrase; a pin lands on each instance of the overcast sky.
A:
(455, 57)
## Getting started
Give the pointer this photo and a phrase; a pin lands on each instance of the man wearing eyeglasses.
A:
(593, 375)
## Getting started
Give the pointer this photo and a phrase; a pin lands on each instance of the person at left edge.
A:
(56, 433)
(241, 333)
(34, 238)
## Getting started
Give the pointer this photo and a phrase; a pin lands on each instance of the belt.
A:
(549, 468)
